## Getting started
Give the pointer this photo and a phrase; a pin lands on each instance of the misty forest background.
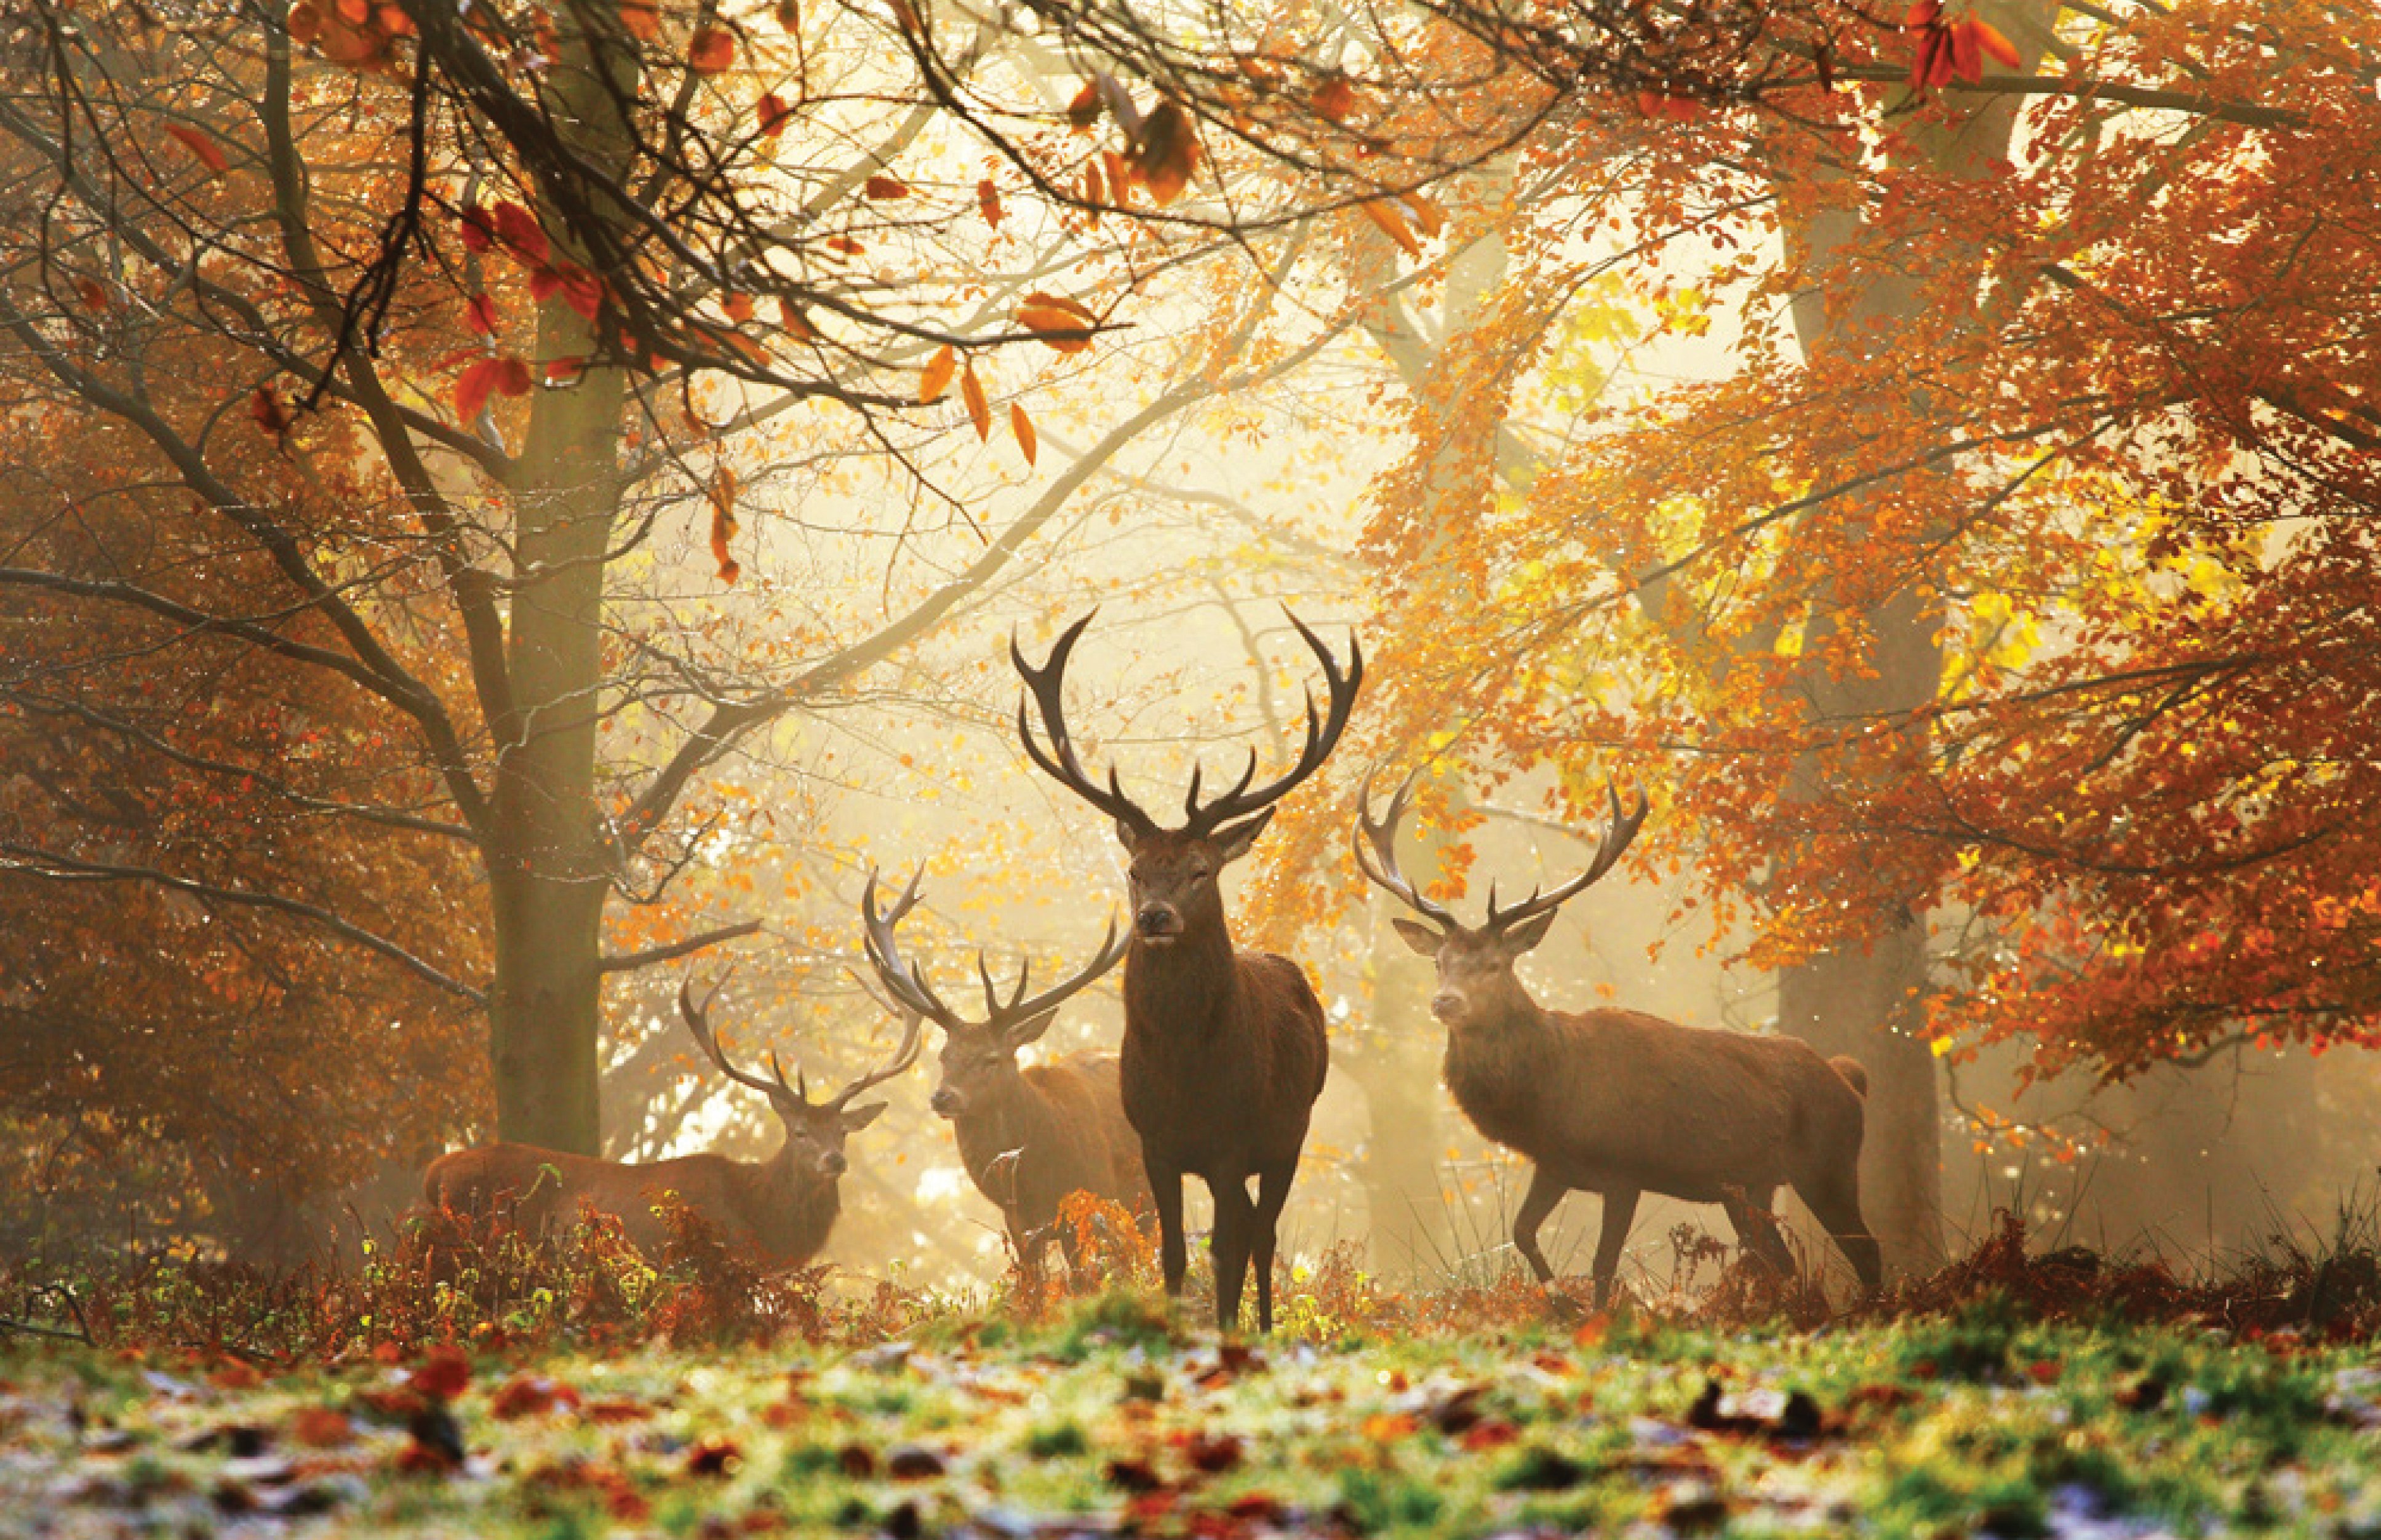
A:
(503, 511)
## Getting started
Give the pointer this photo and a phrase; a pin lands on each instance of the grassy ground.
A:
(1109, 1416)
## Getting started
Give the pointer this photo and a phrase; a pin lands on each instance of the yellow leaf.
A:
(937, 378)
(1392, 224)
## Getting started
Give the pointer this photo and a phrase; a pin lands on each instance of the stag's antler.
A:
(1061, 764)
(1617, 835)
(698, 1022)
(908, 983)
(1381, 865)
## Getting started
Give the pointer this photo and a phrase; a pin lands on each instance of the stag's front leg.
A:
(1273, 1192)
(1545, 1190)
(1166, 1187)
(1235, 1224)
(1620, 1213)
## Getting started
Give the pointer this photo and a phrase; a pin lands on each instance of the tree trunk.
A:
(551, 860)
(1396, 1064)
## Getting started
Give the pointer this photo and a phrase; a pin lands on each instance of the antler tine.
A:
(1617, 835)
(1322, 735)
(912, 1038)
(1018, 1008)
(1060, 762)
(698, 1022)
(1381, 865)
(902, 979)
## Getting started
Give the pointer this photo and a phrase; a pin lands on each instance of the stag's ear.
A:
(1126, 835)
(857, 1117)
(1239, 839)
(1529, 933)
(1031, 1029)
(1420, 938)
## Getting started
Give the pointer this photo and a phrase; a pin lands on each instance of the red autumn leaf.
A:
(978, 408)
(712, 50)
(722, 494)
(527, 1395)
(394, 20)
(642, 19)
(1996, 44)
(477, 226)
(737, 306)
(846, 245)
(562, 370)
(519, 230)
(797, 324)
(937, 374)
(507, 376)
(447, 1370)
(1166, 152)
(773, 114)
(577, 287)
(1094, 193)
(1921, 14)
(789, 14)
(92, 292)
(1057, 321)
(1334, 99)
(882, 186)
(305, 23)
(1664, 108)
(1084, 110)
(1120, 177)
(480, 315)
(1392, 223)
(319, 1427)
(1022, 426)
(266, 410)
(1967, 52)
(209, 152)
(987, 199)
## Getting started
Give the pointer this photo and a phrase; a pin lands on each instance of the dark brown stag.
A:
(1224, 1050)
(1029, 1136)
(1618, 1103)
(778, 1210)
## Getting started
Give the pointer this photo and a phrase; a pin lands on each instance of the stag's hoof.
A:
(1561, 1307)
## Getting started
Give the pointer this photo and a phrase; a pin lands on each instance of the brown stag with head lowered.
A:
(1224, 1050)
(1618, 1103)
(778, 1210)
(1028, 1135)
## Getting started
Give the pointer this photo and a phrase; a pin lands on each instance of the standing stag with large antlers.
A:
(1027, 1136)
(1224, 1050)
(1618, 1103)
(778, 1210)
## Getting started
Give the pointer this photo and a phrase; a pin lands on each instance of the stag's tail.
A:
(1849, 1067)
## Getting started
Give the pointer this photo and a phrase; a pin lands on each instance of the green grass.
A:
(1111, 1414)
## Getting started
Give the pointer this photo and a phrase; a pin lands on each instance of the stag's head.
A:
(815, 1132)
(1476, 982)
(979, 1058)
(1175, 873)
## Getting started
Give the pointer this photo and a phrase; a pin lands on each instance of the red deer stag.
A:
(1618, 1103)
(1224, 1050)
(1027, 1137)
(779, 1209)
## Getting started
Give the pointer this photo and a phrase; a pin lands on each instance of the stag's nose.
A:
(1446, 1004)
(833, 1163)
(945, 1101)
(1158, 922)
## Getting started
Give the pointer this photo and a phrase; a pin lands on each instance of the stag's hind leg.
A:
(1165, 1189)
(1754, 1216)
(1835, 1198)
(1620, 1213)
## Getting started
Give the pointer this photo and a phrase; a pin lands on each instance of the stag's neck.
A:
(1013, 1120)
(1187, 990)
(795, 1208)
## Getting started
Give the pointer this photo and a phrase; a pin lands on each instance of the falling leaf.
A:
(722, 495)
(1057, 321)
(1383, 212)
(978, 408)
(266, 410)
(1022, 426)
(642, 19)
(882, 186)
(1166, 153)
(939, 372)
(773, 114)
(987, 199)
(521, 234)
(209, 152)
(712, 50)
